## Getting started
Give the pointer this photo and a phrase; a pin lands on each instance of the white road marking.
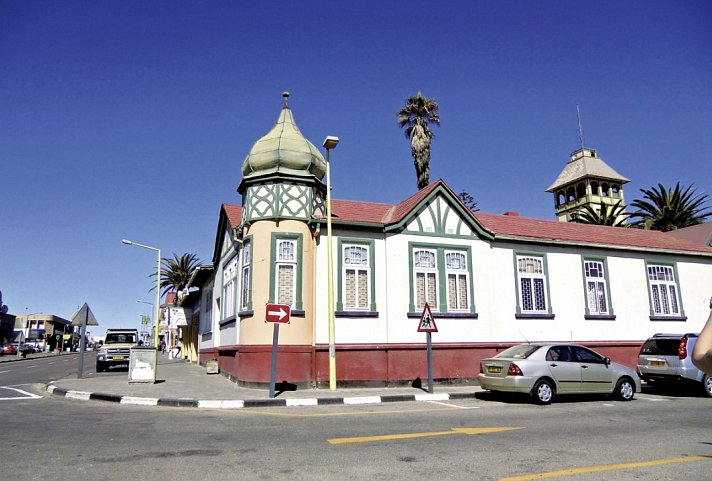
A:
(454, 405)
(27, 395)
(3, 372)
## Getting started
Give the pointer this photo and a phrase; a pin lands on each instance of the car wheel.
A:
(100, 367)
(707, 384)
(625, 389)
(543, 391)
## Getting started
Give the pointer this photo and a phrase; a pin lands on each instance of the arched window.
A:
(595, 189)
(581, 191)
(605, 190)
(560, 198)
(570, 195)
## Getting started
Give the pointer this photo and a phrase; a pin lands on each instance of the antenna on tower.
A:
(580, 130)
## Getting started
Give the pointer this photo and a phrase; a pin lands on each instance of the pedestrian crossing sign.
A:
(427, 322)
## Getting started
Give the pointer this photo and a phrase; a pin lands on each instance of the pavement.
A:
(180, 383)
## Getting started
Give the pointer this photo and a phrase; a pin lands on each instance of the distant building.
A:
(44, 329)
(490, 280)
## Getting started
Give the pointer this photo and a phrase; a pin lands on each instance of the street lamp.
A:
(330, 142)
(150, 304)
(158, 285)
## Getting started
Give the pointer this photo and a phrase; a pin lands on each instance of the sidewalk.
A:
(182, 384)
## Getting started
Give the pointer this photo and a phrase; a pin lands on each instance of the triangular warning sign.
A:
(427, 321)
(84, 314)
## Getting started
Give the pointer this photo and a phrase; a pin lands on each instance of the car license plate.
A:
(118, 358)
(657, 363)
(494, 369)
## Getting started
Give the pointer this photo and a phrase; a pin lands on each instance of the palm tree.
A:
(176, 272)
(669, 209)
(416, 116)
(610, 215)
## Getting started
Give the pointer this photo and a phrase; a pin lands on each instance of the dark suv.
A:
(667, 358)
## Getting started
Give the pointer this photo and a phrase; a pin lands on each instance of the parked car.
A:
(667, 358)
(9, 349)
(545, 370)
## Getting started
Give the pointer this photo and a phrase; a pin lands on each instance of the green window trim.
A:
(277, 236)
(440, 250)
(371, 245)
(519, 313)
(663, 317)
(607, 278)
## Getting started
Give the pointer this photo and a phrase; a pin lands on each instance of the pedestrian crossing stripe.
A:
(427, 321)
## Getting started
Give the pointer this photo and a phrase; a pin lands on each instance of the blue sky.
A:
(130, 119)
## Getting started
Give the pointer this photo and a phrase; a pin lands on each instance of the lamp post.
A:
(150, 304)
(329, 143)
(158, 286)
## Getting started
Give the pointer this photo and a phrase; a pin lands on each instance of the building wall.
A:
(384, 347)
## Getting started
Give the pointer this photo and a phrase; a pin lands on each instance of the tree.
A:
(669, 209)
(468, 200)
(611, 215)
(416, 116)
(176, 272)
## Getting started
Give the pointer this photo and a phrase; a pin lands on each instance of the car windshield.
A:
(522, 351)
(122, 338)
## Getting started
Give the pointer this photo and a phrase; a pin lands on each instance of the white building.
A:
(490, 280)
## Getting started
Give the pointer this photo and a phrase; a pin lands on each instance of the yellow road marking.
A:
(392, 437)
(609, 467)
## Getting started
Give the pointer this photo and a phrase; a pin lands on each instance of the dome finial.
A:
(286, 96)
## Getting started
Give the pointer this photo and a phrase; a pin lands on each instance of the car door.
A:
(596, 376)
(565, 372)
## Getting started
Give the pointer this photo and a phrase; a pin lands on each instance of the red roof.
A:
(234, 214)
(551, 230)
(507, 227)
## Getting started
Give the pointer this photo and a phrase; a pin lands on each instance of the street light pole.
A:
(329, 143)
(158, 285)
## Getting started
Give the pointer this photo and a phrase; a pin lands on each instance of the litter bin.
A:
(142, 364)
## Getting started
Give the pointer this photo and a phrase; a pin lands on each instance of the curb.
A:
(255, 403)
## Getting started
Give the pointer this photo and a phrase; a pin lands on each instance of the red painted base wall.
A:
(377, 365)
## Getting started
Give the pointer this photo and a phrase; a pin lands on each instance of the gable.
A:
(437, 212)
(230, 218)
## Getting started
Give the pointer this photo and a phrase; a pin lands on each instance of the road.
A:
(654, 437)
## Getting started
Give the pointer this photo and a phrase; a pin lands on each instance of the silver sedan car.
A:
(545, 370)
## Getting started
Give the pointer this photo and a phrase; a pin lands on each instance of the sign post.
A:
(83, 318)
(427, 325)
(277, 314)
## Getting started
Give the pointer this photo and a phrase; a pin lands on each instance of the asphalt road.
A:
(655, 437)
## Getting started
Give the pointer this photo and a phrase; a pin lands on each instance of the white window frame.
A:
(206, 321)
(664, 291)
(456, 265)
(286, 260)
(596, 287)
(430, 275)
(531, 270)
(362, 265)
(229, 282)
(245, 276)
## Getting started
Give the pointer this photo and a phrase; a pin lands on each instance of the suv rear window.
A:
(661, 346)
